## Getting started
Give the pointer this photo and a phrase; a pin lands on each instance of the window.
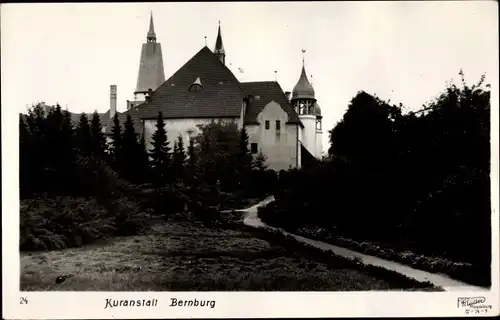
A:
(267, 124)
(278, 126)
(254, 148)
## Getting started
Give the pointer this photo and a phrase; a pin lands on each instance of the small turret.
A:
(151, 37)
(219, 48)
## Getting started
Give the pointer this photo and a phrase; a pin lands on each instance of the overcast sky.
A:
(405, 51)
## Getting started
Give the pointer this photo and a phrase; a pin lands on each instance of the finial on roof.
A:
(151, 33)
(205, 41)
(275, 75)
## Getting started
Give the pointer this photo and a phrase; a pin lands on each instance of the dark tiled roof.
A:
(221, 96)
(75, 117)
(303, 89)
(267, 91)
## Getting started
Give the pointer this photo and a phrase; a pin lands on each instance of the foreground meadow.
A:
(185, 256)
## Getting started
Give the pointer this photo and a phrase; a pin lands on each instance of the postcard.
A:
(251, 159)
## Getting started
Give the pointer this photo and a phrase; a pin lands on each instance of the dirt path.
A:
(439, 280)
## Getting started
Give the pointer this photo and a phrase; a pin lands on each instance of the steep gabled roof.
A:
(221, 96)
(266, 91)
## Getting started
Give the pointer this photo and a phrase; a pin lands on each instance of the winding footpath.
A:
(440, 280)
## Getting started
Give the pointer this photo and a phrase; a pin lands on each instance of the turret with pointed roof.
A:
(303, 89)
(151, 73)
(151, 33)
(219, 48)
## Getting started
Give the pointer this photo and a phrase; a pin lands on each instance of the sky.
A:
(70, 53)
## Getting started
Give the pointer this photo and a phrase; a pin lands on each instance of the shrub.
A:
(61, 223)
(128, 219)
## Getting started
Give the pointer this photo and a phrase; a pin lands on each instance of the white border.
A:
(90, 305)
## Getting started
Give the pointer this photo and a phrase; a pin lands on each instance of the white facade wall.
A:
(309, 132)
(176, 127)
(319, 144)
(279, 148)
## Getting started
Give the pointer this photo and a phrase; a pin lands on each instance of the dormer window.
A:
(196, 86)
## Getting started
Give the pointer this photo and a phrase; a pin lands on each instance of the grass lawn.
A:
(187, 257)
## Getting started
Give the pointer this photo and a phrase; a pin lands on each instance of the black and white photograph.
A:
(154, 149)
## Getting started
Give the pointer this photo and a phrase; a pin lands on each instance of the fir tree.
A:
(131, 153)
(179, 158)
(244, 158)
(99, 143)
(116, 144)
(259, 164)
(67, 152)
(83, 136)
(144, 159)
(160, 152)
(191, 161)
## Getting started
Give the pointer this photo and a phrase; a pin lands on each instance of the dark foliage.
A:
(83, 136)
(116, 143)
(160, 152)
(100, 146)
(417, 181)
(133, 162)
(179, 160)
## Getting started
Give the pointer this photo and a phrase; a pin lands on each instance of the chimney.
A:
(112, 101)
(287, 94)
(148, 96)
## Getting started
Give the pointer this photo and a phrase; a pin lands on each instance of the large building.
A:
(284, 126)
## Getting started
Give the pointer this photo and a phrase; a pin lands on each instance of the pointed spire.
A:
(219, 47)
(151, 33)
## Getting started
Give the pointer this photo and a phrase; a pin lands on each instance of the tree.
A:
(245, 159)
(131, 153)
(116, 142)
(26, 159)
(191, 162)
(144, 160)
(259, 164)
(99, 144)
(179, 159)
(160, 158)
(83, 136)
(218, 153)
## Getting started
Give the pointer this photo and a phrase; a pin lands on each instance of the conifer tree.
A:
(67, 153)
(191, 161)
(160, 151)
(98, 139)
(179, 159)
(144, 160)
(116, 143)
(244, 158)
(83, 136)
(131, 156)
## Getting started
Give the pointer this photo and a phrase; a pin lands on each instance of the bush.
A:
(128, 219)
(62, 222)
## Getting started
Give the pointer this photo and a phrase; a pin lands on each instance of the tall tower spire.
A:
(219, 48)
(151, 73)
(151, 33)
